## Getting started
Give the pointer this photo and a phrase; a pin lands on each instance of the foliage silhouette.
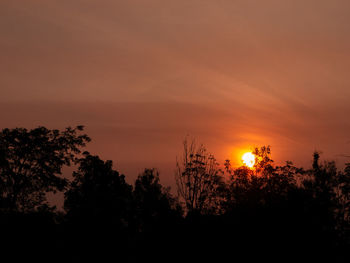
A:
(154, 203)
(31, 162)
(158, 216)
(274, 213)
(99, 208)
(97, 191)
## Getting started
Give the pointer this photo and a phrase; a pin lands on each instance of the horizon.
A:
(141, 76)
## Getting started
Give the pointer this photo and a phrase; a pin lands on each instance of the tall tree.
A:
(199, 179)
(99, 211)
(31, 163)
(261, 184)
(154, 203)
(343, 197)
(98, 192)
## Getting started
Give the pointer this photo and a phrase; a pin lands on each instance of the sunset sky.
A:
(141, 75)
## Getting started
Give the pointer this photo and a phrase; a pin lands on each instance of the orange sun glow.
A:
(248, 159)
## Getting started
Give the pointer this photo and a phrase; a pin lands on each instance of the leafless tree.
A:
(199, 179)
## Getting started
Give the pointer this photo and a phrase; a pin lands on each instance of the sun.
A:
(248, 159)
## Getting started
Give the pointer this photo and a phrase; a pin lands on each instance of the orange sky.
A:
(143, 74)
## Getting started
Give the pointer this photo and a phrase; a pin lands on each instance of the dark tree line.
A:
(275, 213)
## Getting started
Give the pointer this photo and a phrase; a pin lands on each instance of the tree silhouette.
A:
(198, 178)
(98, 193)
(158, 215)
(268, 212)
(154, 203)
(99, 211)
(260, 185)
(322, 202)
(31, 164)
(343, 196)
(273, 207)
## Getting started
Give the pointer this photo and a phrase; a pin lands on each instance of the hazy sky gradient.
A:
(143, 74)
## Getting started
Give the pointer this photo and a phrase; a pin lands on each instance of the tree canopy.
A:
(31, 164)
(267, 212)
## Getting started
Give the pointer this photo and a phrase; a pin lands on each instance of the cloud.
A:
(143, 74)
